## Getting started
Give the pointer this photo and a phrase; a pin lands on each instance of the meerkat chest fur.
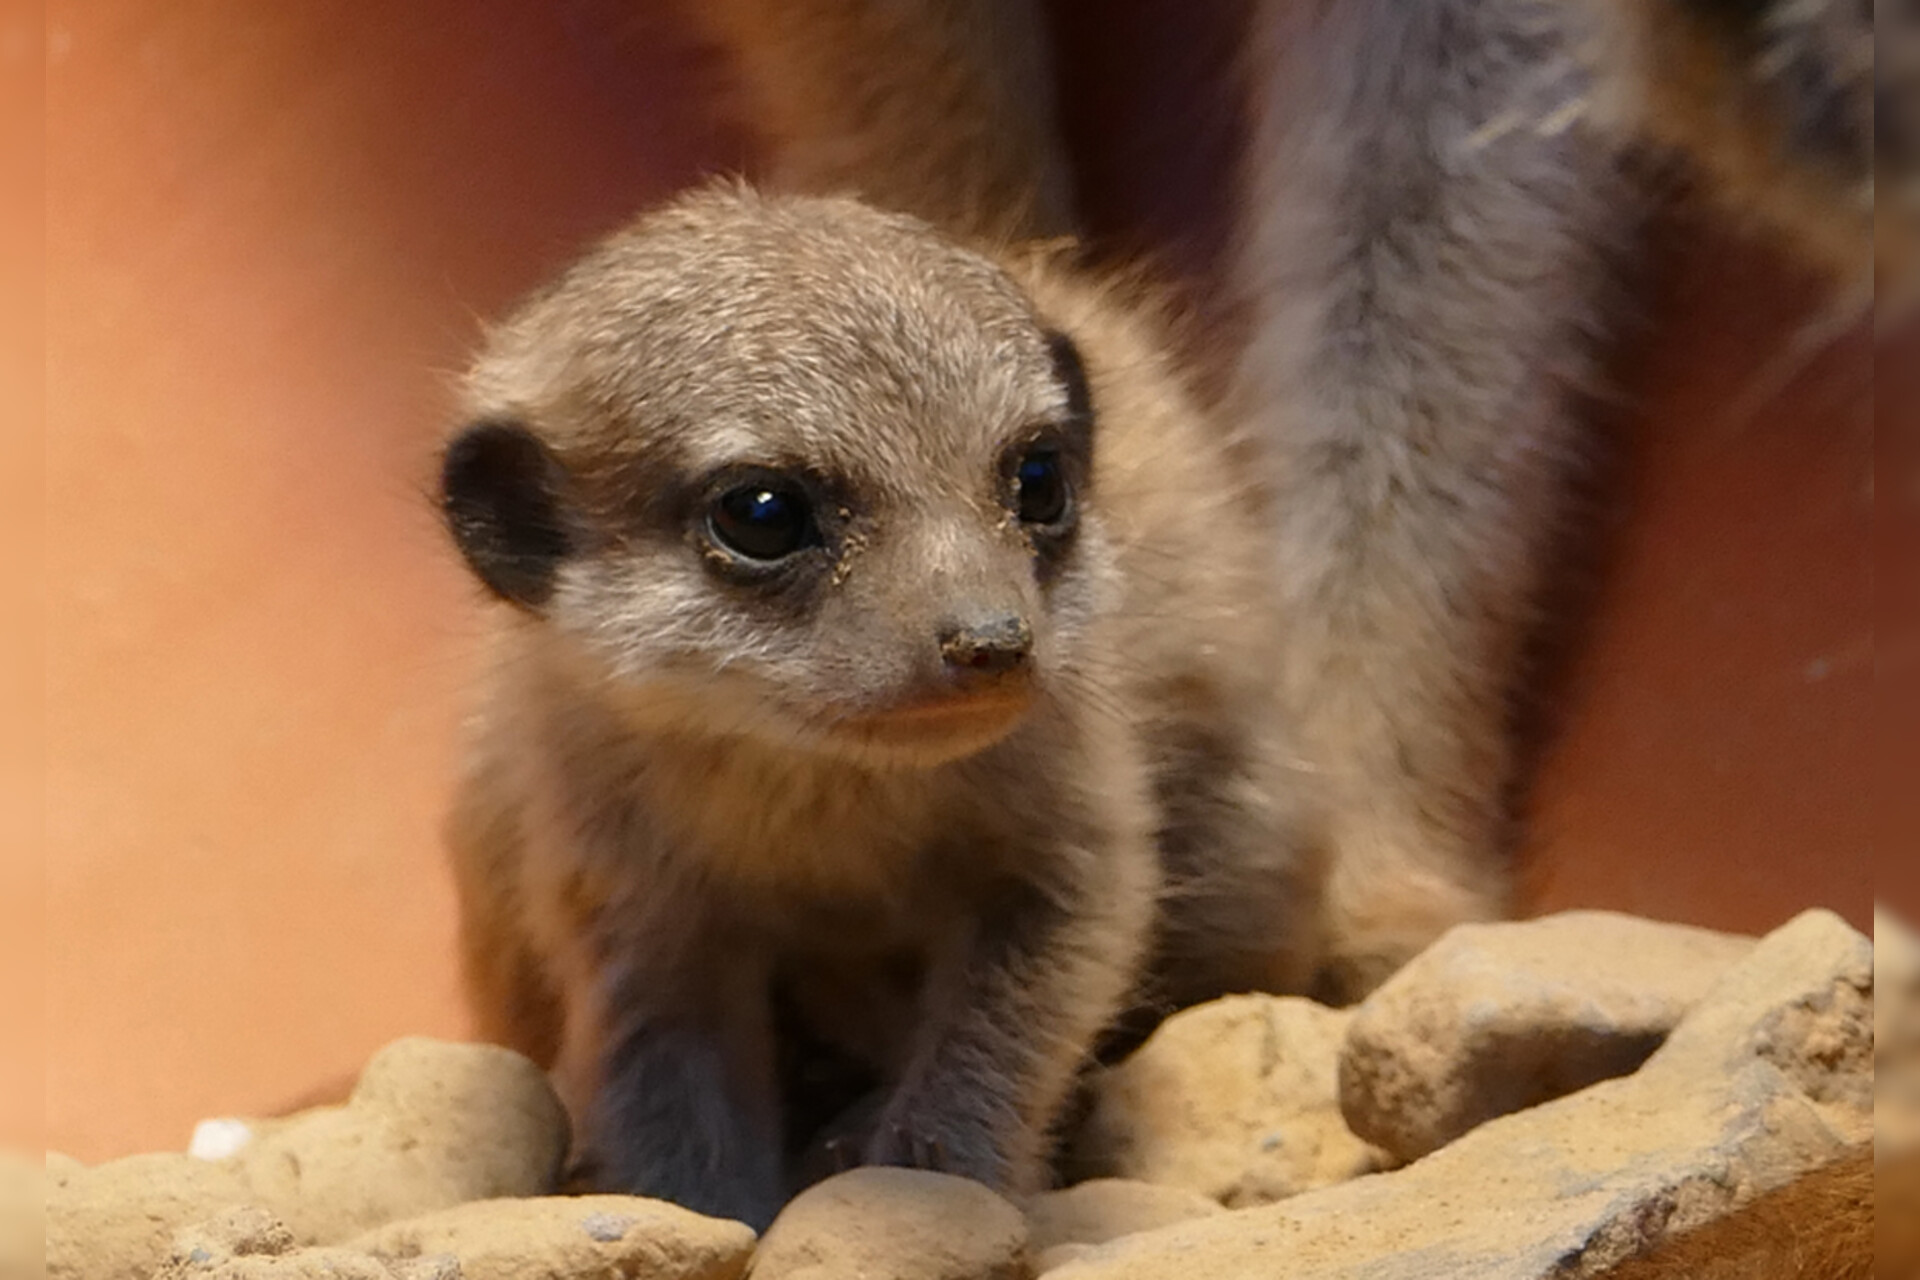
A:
(788, 825)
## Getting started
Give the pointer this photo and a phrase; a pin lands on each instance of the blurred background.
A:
(271, 234)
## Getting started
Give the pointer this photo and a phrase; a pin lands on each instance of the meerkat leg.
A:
(1009, 1020)
(941, 108)
(1423, 222)
(675, 1074)
(1239, 908)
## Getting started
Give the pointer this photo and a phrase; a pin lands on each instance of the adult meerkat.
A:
(1425, 209)
(883, 680)
(1432, 202)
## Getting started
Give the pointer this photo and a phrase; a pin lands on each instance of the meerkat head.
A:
(793, 469)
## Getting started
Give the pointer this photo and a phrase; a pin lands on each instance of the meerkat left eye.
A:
(1041, 492)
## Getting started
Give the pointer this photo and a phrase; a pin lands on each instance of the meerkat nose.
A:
(990, 647)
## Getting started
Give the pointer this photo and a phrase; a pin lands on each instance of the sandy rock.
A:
(430, 1126)
(23, 1195)
(117, 1219)
(1234, 1099)
(1106, 1208)
(583, 1238)
(579, 1237)
(251, 1244)
(1061, 1225)
(301, 1264)
(901, 1224)
(1048, 1261)
(1767, 1080)
(1494, 1018)
(249, 1231)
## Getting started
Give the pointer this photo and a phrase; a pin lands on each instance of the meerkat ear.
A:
(499, 491)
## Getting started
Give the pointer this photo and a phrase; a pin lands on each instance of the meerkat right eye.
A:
(1041, 493)
(764, 520)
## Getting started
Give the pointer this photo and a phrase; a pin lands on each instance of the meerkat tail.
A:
(939, 108)
(1422, 223)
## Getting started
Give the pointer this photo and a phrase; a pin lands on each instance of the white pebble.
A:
(218, 1139)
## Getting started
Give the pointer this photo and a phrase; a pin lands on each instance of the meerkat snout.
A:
(986, 650)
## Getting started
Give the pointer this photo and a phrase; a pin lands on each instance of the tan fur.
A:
(941, 108)
(1818, 1228)
(1896, 205)
(678, 794)
(1421, 301)
(1694, 87)
(1195, 634)
(1892, 1213)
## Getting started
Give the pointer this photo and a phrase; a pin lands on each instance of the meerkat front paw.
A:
(902, 1145)
(914, 1133)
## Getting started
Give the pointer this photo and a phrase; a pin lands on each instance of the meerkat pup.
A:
(883, 679)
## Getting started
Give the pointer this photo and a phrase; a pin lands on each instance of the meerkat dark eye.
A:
(763, 521)
(1041, 495)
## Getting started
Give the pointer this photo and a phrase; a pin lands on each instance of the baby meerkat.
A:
(886, 682)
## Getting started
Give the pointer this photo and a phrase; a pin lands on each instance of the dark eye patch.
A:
(1044, 474)
(1072, 373)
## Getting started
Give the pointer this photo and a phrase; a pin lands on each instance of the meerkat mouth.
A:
(953, 725)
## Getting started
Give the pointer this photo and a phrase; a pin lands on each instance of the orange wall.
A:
(22, 395)
(271, 231)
